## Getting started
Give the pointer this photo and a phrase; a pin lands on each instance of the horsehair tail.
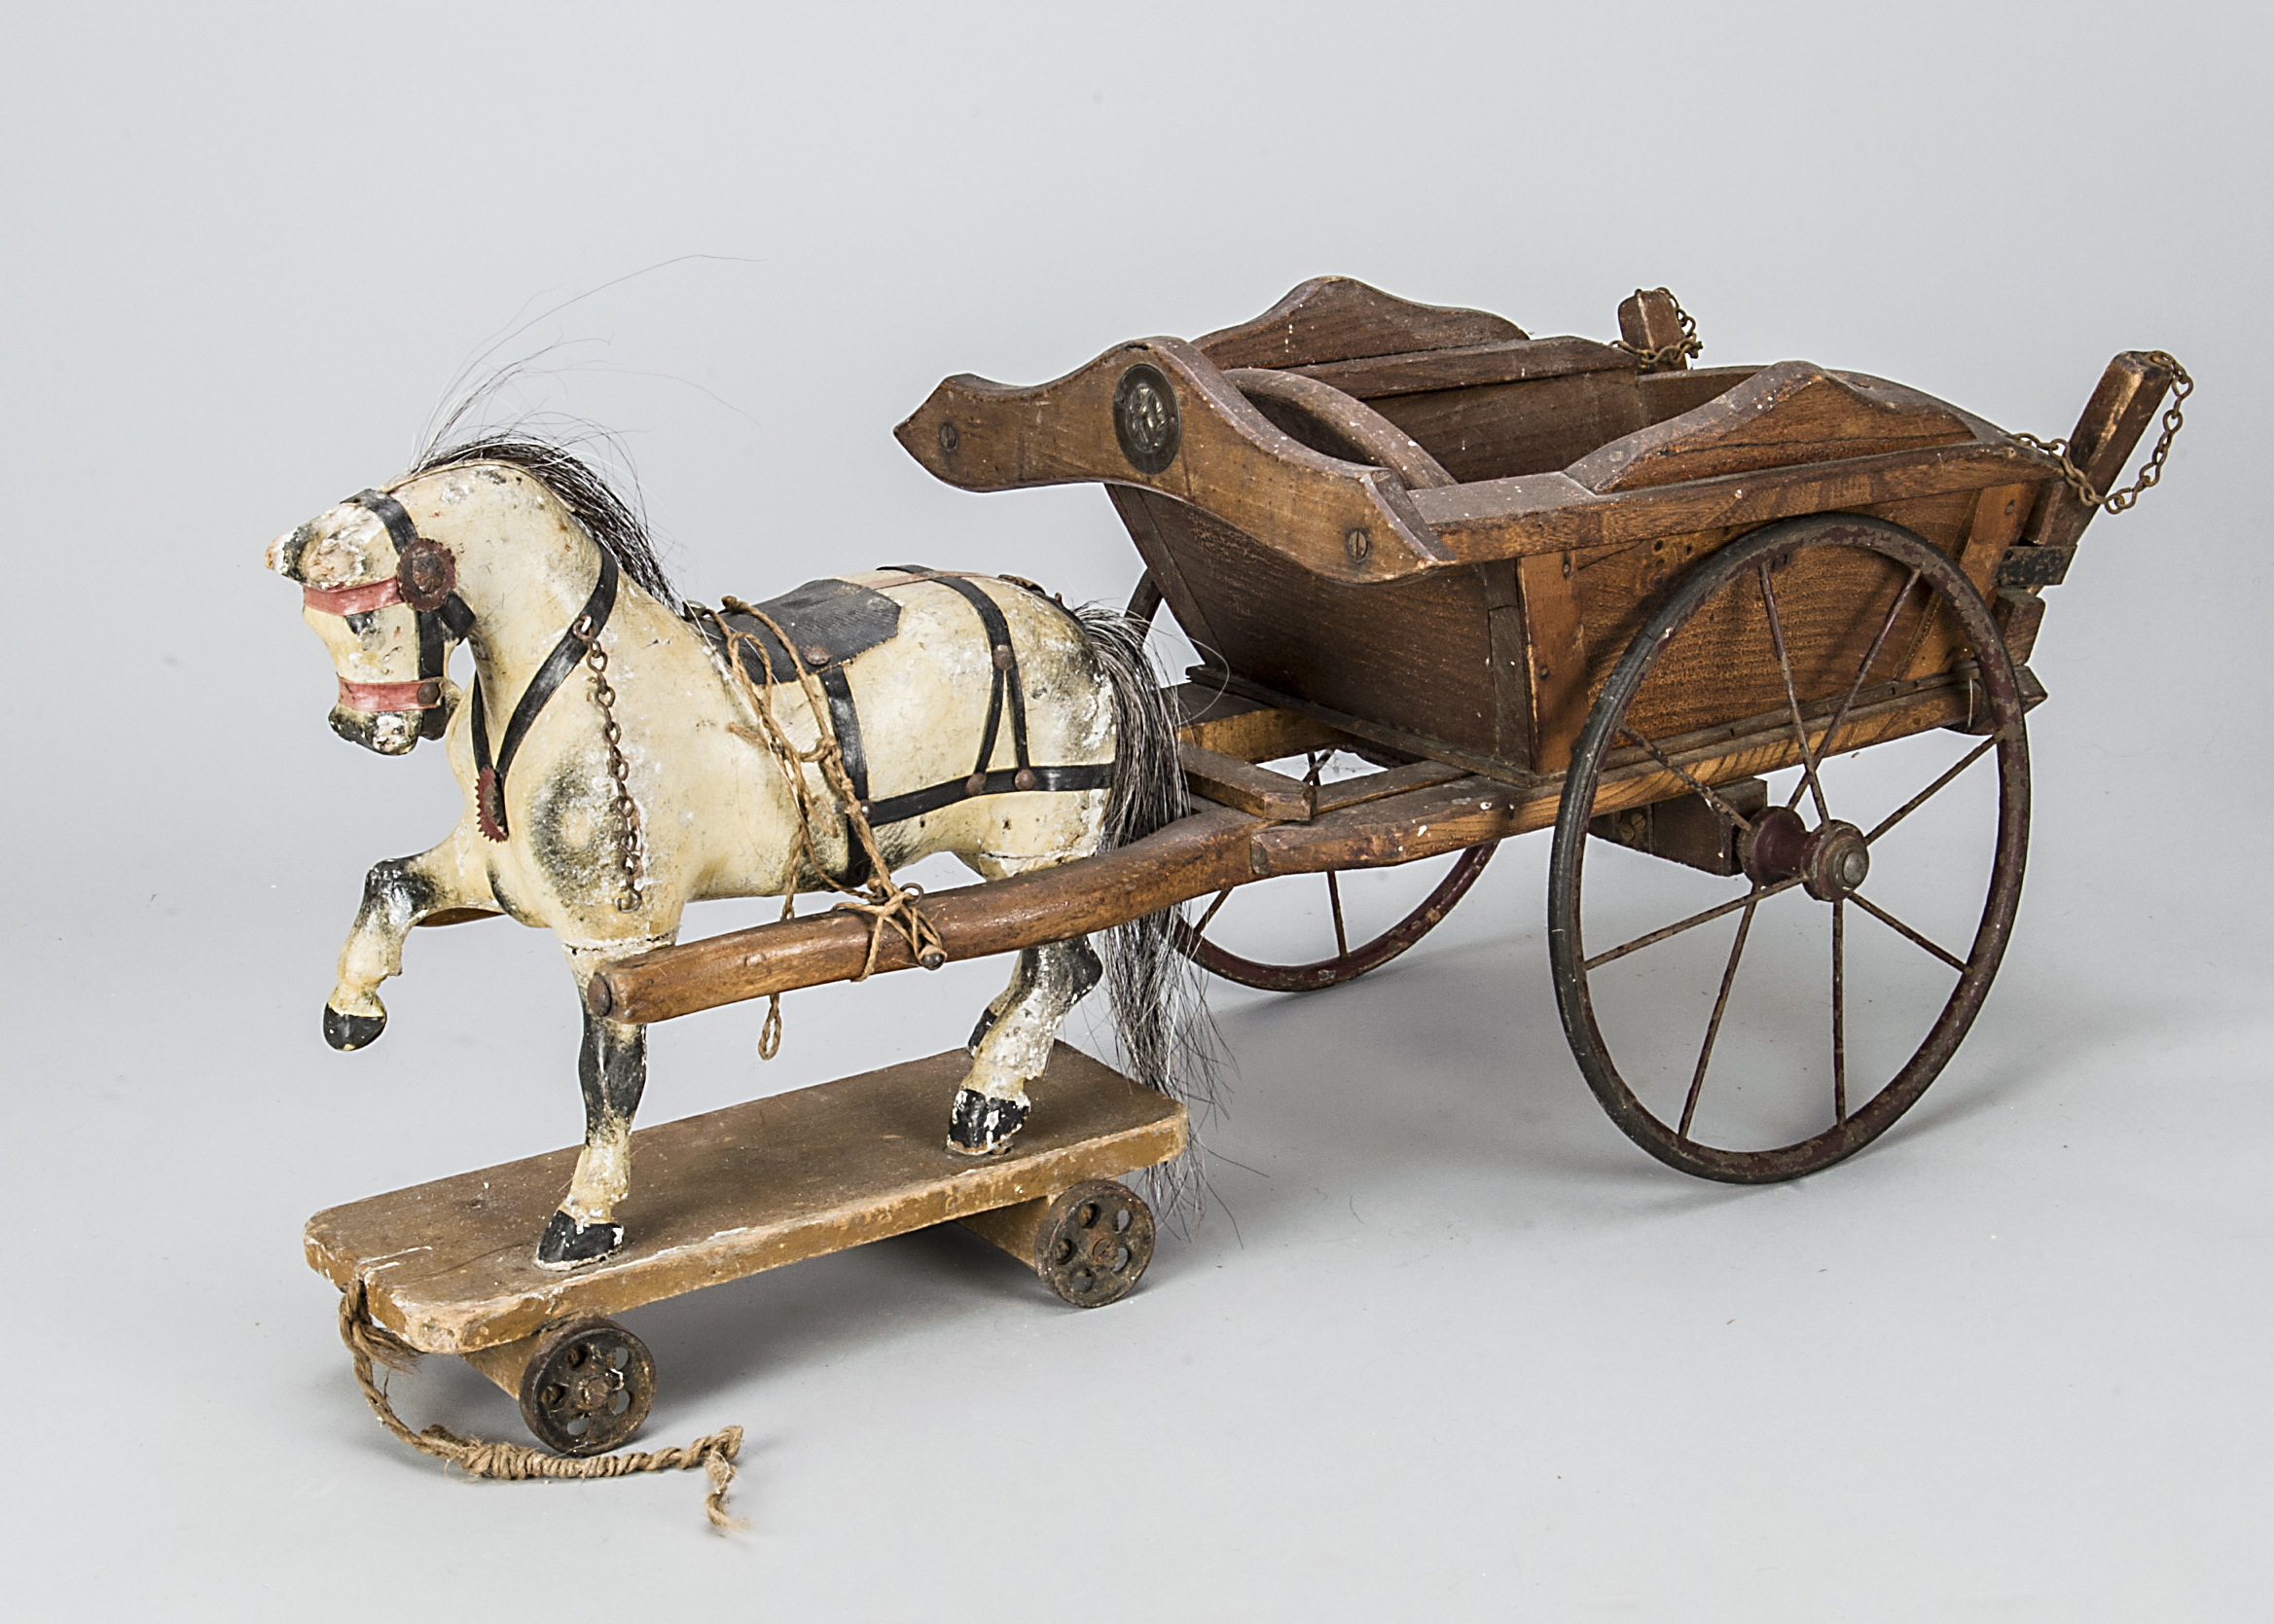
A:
(1157, 994)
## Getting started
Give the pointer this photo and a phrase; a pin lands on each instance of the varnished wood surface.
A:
(1336, 318)
(450, 1267)
(1417, 371)
(1229, 458)
(1793, 413)
(1219, 848)
(2122, 406)
(1547, 513)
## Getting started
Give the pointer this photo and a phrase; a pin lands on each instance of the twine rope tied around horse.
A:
(887, 903)
(370, 1344)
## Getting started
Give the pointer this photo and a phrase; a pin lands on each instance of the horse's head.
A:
(384, 603)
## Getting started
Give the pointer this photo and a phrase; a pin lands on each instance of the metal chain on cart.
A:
(2151, 471)
(632, 856)
(1686, 347)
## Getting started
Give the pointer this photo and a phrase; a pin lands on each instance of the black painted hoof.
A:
(569, 1244)
(980, 1127)
(351, 1031)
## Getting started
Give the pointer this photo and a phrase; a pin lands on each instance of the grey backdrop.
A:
(1455, 1349)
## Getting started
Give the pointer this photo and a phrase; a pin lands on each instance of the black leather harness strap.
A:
(490, 783)
(984, 779)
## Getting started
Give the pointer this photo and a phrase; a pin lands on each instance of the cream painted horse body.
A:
(711, 813)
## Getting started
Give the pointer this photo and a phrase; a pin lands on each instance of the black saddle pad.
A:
(827, 621)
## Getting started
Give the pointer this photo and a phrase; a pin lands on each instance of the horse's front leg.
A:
(396, 895)
(1013, 1043)
(611, 1067)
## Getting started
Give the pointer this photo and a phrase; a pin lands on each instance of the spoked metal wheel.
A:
(1765, 1025)
(1253, 936)
(1337, 926)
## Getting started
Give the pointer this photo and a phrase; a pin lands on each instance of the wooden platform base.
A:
(451, 1269)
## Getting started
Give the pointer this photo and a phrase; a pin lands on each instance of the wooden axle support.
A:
(449, 1267)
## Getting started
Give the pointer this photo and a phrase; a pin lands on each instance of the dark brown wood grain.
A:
(1228, 457)
(1793, 413)
(1380, 377)
(1647, 320)
(1335, 318)
(1499, 430)
(1549, 513)
(1326, 419)
(1416, 654)
(2122, 406)
(1229, 781)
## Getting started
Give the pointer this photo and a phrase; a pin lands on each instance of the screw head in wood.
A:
(1358, 544)
(949, 439)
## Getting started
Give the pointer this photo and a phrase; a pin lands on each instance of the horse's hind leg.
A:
(1013, 1043)
(612, 1068)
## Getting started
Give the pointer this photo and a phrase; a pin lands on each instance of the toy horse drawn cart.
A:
(1522, 583)
(1548, 582)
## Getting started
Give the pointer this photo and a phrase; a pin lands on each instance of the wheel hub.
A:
(1831, 861)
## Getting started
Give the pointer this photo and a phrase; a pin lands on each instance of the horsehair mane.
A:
(611, 522)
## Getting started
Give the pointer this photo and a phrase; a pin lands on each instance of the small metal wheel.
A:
(1249, 944)
(1094, 1242)
(587, 1386)
(1875, 892)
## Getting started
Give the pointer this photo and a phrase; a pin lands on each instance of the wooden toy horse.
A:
(965, 715)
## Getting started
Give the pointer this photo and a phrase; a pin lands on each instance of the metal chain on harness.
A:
(632, 855)
(887, 902)
(1688, 346)
(2151, 471)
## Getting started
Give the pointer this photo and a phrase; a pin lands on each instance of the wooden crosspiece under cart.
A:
(1466, 584)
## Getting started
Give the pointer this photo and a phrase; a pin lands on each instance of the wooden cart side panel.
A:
(1500, 430)
(1336, 318)
(1341, 519)
(1415, 654)
(1724, 667)
(1793, 413)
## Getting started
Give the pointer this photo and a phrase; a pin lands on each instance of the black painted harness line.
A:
(454, 619)
(898, 808)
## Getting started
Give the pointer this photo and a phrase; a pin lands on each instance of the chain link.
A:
(1686, 347)
(632, 855)
(2151, 471)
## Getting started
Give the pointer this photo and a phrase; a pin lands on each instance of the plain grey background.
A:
(1453, 1348)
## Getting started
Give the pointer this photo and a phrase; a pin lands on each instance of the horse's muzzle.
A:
(386, 732)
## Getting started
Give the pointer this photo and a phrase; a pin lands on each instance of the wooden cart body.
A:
(1467, 611)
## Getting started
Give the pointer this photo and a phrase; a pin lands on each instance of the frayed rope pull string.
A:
(370, 1344)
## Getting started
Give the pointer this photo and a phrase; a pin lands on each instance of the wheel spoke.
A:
(1212, 907)
(1901, 929)
(1840, 1010)
(1924, 795)
(1863, 671)
(1691, 924)
(1342, 937)
(1689, 1106)
(1727, 812)
(1808, 777)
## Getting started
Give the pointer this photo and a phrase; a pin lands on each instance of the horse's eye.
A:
(360, 624)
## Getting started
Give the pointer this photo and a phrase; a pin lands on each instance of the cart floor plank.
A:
(451, 1266)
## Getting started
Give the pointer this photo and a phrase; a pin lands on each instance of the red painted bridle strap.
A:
(422, 695)
(352, 600)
